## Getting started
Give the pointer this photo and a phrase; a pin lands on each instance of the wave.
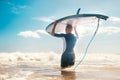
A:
(54, 58)
(34, 66)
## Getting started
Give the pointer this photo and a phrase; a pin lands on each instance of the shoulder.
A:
(75, 36)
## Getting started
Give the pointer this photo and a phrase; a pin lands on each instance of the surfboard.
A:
(73, 19)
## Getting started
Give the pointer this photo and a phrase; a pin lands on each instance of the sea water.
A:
(46, 66)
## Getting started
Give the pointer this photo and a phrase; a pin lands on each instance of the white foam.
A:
(41, 57)
(33, 62)
(52, 57)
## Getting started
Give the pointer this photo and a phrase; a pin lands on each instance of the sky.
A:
(23, 23)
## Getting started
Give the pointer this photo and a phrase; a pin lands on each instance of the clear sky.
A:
(22, 25)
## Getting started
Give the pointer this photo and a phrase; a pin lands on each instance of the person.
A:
(68, 56)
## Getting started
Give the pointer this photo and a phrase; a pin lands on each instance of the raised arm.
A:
(53, 30)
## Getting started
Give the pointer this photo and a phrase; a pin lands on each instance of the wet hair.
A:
(69, 26)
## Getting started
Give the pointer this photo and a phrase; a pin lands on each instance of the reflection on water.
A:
(68, 75)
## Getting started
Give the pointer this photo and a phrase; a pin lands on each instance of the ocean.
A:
(46, 66)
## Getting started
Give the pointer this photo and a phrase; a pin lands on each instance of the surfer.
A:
(68, 56)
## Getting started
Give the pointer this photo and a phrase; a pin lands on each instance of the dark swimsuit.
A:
(68, 56)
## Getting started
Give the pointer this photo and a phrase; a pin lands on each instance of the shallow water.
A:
(51, 72)
(26, 68)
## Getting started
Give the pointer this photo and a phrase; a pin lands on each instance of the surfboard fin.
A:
(78, 11)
